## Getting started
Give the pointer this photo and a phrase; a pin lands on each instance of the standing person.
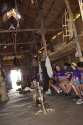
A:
(76, 81)
(45, 76)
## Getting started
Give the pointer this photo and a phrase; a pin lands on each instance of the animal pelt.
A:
(38, 97)
(3, 93)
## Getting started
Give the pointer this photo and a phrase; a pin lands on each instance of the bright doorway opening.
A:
(15, 77)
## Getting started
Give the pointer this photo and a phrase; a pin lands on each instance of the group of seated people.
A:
(66, 79)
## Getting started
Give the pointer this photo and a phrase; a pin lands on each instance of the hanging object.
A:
(49, 67)
(12, 27)
(12, 13)
(15, 60)
(40, 72)
(76, 54)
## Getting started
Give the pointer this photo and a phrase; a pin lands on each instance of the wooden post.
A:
(81, 7)
(44, 44)
(42, 32)
(74, 31)
(44, 70)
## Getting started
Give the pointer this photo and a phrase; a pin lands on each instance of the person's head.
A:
(66, 65)
(57, 68)
(80, 65)
(74, 65)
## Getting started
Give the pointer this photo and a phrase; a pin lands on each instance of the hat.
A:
(74, 64)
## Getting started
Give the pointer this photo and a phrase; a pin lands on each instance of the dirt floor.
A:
(20, 111)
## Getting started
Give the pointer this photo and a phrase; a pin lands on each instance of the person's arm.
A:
(64, 77)
(60, 78)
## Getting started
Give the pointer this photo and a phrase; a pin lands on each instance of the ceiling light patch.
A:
(77, 16)
(54, 37)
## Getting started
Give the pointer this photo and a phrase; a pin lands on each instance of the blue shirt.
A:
(81, 73)
(76, 74)
(60, 73)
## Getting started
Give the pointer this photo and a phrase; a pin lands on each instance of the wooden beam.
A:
(60, 51)
(9, 44)
(42, 32)
(28, 30)
(19, 30)
(12, 53)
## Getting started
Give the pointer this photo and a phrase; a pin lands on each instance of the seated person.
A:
(63, 79)
(76, 80)
(80, 67)
(53, 84)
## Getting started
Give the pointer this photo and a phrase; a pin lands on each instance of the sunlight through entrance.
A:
(15, 77)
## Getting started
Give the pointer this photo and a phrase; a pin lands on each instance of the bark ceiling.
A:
(52, 11)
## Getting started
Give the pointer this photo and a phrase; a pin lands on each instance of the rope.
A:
(16, 27)
(15, 35)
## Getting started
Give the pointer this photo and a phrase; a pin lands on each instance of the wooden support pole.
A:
(44, 44)
(22, 43)
(74, 31)
(81, 7)
(44, 70)
(42, 32)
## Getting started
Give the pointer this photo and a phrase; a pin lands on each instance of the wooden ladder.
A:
(81, 7)
(67, 26)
